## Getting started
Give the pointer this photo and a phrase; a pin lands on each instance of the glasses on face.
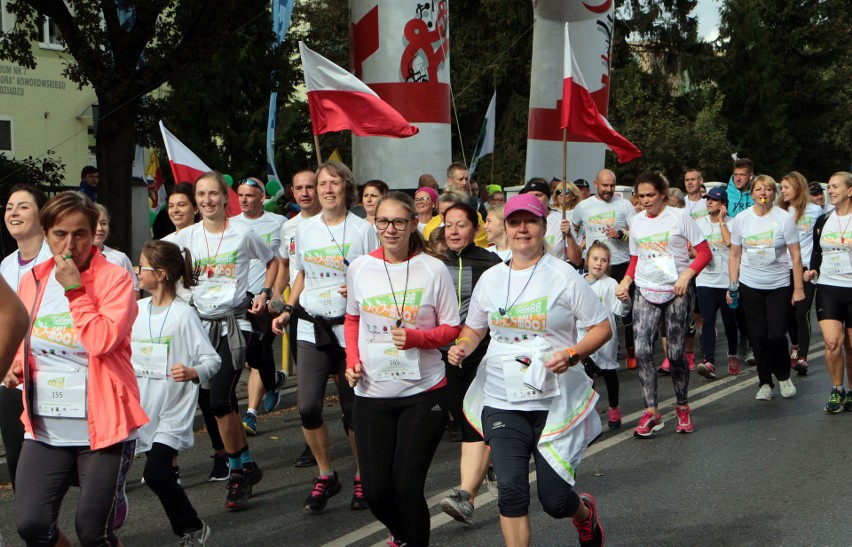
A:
(498, 200)
(559, 192)
(140, 269)
(398, 223)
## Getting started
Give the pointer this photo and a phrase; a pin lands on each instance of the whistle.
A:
(763, 200)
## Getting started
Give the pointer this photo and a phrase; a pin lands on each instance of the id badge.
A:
(387, 362)
(517, 390)
(716, 263)
(60, 394)
(214, 293)
(660, 269)
(760, 257)
(836, 263)
(325, 301)
(149, 359)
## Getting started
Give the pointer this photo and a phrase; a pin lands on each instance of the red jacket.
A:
(103, 313)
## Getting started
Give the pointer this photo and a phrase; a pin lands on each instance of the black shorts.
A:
(834, 303)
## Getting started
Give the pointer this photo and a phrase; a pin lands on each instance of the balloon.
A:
(229, 180)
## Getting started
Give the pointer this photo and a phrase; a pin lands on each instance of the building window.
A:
(49, 36)
(6, 135)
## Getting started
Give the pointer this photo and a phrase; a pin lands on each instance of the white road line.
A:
(737, 383)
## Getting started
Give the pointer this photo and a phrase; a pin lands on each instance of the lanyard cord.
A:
(505, 310)
(340, 247)
(393, 293)
(458, 286)
(210, 270)
(163, 325)
(843, 231)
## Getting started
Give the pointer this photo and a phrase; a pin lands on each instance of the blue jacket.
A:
(738, 201)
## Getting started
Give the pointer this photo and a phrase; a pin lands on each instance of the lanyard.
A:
(393, 293)
(505, 310)
(340, 247)
(162, 326)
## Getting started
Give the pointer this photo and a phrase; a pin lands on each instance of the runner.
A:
(221, 254)
(497, 239)
(113, 255)
(832, 261)
(660, 237)
(759, 270)
(401, 307)
(183, 211)
(325, 246)
(530, 307)
(374, 191)
(171, 355)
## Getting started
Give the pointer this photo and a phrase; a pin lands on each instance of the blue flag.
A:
(282, 12)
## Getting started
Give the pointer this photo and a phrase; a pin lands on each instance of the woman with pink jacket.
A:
(81, 399)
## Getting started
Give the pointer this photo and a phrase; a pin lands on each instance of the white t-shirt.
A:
(697, 209)
(325, 253)
(182, 292)
(604, 288)
(504, 255)
(12, 271)
(223, 262)
(805, 226)
(288, 242)
(120, 259)
(553, 236)
(544, 301)
(595, 215)
(170, 405)
(836, 268)
(430, 300)
(268, 227)
(764, 240)
(715, 274)
(662, 245)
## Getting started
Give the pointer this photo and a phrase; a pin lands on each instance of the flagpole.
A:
(564, 170)
(317, 148)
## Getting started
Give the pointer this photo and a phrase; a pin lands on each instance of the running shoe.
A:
(631, 358)
(491, 478)
(749, 358)
(733, 365)
(684, 420)
(271, 399)
(458, 506)
(250, 424)
(787, 388)
(614, 417)
(253, 473)
(324, 488)
(306, 458)
(801, 366)
(690, 360)
(590, 531)
(358, 500)
(649, 423)
(847, 407)
(190, 538)
(836, 401)
(220, 471)
(764, 393)
(665, 367)
(239, 491)
(394, 543)
(708, 370)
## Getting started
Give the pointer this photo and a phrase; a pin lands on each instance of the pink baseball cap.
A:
(525, 202)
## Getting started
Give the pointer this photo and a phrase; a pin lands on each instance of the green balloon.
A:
(273, 188)
(229, 180)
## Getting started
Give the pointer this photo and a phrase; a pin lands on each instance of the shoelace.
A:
(358, 490)
(320, 486)
(586, 528)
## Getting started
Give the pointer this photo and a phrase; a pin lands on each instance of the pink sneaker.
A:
(690, 360)
(614, 417)
(684, 421)
(648, 424)
(733, 365)
(665, 368)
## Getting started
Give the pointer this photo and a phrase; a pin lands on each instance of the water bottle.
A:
(734, 290)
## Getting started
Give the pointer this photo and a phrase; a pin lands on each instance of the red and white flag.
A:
(186, 167)
(580, 116)
(338, 101)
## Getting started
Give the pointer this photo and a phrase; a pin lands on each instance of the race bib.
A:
(716, 264)
(760, 257)
(836, 263)
(659, 269)
(60, 394)
(214, 293)
(387, 362)
(149, 359)
(517, 390)
(325, 301)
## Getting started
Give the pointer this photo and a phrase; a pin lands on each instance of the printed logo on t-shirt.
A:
(657, 242)
(223, 265)
(805, 224)
(529, 316)
(699, 213)
(58, 328)
(267, 238)
(385, 306)
(715, 241)
(603, 219)
(328, 257)
(833, 238)
(292, 247)
(147, 350)
(763, 239)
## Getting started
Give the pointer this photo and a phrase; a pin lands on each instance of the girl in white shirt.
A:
(497, 239)
(171, 356)
(113, 255)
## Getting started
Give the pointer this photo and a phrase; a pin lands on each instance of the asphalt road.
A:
(752, 473)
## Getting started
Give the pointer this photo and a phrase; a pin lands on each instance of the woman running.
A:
(832, 262)
(401, 307)
(527, 386)
(171, 356)
(660, 238)
(81, 399)
(759, 269)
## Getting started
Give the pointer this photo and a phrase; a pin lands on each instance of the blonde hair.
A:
(769, 182)
(568, 188)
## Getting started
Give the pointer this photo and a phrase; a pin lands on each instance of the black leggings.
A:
(610, 377)
(316, 365)
(397, 439)
(799, 319)
(711, 300)
(618, 271)
(259, 348)
(767, 315)
(221, 399)
(458, 380)
(11, 426)
(160, 477)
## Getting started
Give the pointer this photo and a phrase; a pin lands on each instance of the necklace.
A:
(843, 231)
(209, 258)
(393, 293)
(162, 326)
(340, 247)
(506, 307)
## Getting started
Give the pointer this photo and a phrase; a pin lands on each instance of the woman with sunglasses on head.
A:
(401, 307)
(796, 201)
(660, 241)
(221, 254)
(21, 217)
(529, 398)
(760, 267)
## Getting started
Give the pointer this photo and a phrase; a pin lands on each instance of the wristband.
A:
(72, 287)
(573, 356)
(287, 308)
(267, 291)
(462, 339)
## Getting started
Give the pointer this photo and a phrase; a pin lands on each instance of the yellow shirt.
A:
(481, 238)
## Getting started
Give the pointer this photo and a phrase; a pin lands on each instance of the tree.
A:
(125, 50)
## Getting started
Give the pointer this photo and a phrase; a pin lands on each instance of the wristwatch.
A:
(268, 292)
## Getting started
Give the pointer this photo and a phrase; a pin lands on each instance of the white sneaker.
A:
(787, 388)
(764, 393)
(749, 358)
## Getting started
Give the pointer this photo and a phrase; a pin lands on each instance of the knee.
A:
(156, 478)
(93, 532)
(34, 528)
(514, 496)
(833, 345)
(561, 504)
(221, 408)
(311, 416)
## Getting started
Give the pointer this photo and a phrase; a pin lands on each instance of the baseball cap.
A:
(581, 183)
(718, 193)
(537, 185)
(525, 202)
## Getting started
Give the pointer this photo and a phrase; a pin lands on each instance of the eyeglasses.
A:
(422, 200)
(559, 192)
(140, 269)
(398, 223)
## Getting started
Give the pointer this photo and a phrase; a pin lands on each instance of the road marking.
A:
(485, 497)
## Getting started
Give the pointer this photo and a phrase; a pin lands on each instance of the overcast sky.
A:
(708, 18)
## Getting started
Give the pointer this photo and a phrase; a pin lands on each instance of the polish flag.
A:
(580, 116)
(339, 101)
(187, 167)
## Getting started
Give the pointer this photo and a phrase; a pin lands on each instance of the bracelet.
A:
(72, 287)
(462, 339)
(287, 308)
(573, 357)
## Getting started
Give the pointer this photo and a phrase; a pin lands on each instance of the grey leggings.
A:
(676, 316)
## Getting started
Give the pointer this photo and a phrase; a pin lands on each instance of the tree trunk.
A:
(115, 147)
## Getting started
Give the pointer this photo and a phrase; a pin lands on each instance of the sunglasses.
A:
(250, 182)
